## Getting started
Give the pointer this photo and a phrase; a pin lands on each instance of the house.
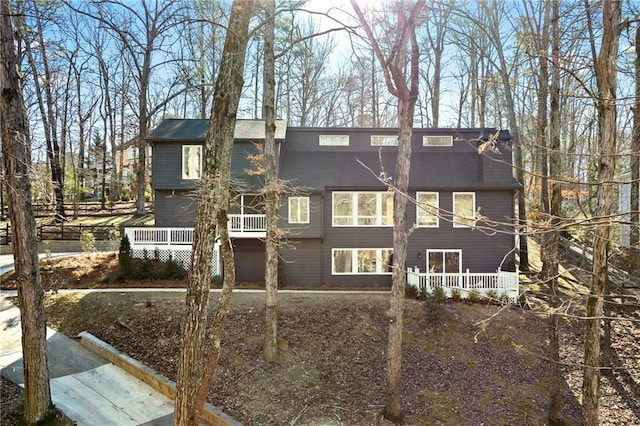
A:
(127, 159)
(339, 217)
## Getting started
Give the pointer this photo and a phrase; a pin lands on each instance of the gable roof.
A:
(172, 129)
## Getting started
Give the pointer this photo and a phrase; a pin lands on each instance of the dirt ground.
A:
(463, 364)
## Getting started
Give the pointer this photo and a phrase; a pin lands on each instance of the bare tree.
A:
(16, 154)
(606, 78)
(198, 360)
(143, 33)
(45, 89)
(634, 235)
(400, 65)
(552, 240)
(272, 190)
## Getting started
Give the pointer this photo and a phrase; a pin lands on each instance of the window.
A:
(444, 261)
(384, 140)
(362, 209)
(427, 209)
(464, 209)
(361, 261)
(334, 140)
(191, 161)
(437, 141)
(298, 209)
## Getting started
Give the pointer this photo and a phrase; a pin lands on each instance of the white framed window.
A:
(384, 140)
(437, 141)
(464, 209)
(447, 261)
(359, 261)
(298, 209)
(191, 161)
(427, 209)
(333, 140)
(362, 208)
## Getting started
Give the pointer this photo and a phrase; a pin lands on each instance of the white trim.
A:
(354, 217)
(436, 207)
(440, 140)
(333, 140)
(384, 140)
(456, 217)
(299, 218)
(354, 261)
(198, 171)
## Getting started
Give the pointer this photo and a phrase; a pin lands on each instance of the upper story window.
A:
(427, 209)
(334, 140)
(191, 161)
(437, 141)
(464, 209)
(298, 209)
(384, 140)
(362, 209)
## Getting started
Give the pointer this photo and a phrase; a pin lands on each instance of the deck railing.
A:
(240, 225)
(499, 283)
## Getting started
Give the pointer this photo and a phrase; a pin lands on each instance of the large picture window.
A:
(191, 161)
(362, 209)
(464, 209)
(298, 209)
(350, 261)
(427, 209)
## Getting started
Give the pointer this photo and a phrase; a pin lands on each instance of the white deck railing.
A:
(240, 225)
(501, 283)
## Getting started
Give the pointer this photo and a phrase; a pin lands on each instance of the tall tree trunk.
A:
(634, 234)
(272, 193)
(47, 113)
(405, 88)
(553, 239)
(194, 374)
(16, 154)
(606, 75)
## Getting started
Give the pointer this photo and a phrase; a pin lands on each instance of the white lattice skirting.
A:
(181, 256)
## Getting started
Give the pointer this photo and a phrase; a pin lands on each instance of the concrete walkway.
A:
(86, 387)
(91, 382)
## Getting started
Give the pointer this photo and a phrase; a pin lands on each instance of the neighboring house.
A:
(340, 217)
(127, 158)
(625, 208)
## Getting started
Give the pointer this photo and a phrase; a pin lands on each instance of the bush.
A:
(410, 292)
(173, 270)
(455, 295)
(88, 241)
(434, 301)
(125, 256)
(474, 297)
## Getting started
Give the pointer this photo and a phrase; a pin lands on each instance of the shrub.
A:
(410, 292)
(173, 270)
(455, 295)
(474, 296)
(126, 193)
(491, 296)
(434, 302)
(125, 256)
(88, 241)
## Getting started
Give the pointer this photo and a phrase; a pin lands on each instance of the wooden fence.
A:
(65, 232)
